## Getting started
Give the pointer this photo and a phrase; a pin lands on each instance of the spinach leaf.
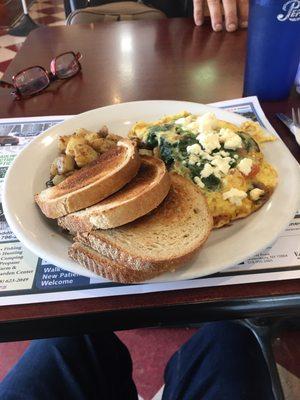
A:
(195, 170)
(233, 163)
(166, 151)
(152, 141)
(183, 132)
(212, 183)
(187, 140)
(231, 152)
(248, 142)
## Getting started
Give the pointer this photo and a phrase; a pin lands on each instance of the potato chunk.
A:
(58, 179)
(82, 132)
(90, 137)
(101, 145)
(84, 154)
(61, 165)
(63, 142)
(53, 169)
(65, 164)
(73, 142)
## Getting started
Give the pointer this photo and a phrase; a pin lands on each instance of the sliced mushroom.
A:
(113, 138)
(103, 132)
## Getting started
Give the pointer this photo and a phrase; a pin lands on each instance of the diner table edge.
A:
(256, 298)
(183, 314)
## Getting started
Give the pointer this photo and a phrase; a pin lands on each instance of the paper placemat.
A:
(25, 278)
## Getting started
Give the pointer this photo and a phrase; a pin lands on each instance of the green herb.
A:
(212, 183)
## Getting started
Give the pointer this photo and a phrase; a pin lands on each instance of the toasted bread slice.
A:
(92, 183)
(107, 268)
(141, 195)
(160, 241)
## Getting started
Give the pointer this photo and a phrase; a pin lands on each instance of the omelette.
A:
(223, 159)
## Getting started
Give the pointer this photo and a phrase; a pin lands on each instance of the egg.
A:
(224, 160)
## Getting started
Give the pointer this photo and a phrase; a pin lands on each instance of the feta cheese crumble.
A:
(210, 141)
(207, 156)
(193, 159)
(245, 166)
(207, 171)
(194, 149)
(222, 164)
(185, 122)
(224, 153)
(256, 193)
(192, 127)
(235, 196)
(203, 124)
(198, 181)
(180, 121)
(230, 139)
(207, 122)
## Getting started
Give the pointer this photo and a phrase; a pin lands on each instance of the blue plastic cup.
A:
(297, 81)
(273, 48)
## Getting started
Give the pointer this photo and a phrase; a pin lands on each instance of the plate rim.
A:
(38, 250)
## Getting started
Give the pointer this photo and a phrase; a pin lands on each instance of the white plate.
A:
(225, 247)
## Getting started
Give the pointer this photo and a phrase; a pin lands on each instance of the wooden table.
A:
(143, 60)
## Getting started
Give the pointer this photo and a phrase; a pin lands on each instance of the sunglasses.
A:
(34, 80)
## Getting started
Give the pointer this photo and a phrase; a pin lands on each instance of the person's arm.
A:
(235, 12)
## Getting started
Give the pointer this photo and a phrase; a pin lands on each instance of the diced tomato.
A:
(254, 170)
